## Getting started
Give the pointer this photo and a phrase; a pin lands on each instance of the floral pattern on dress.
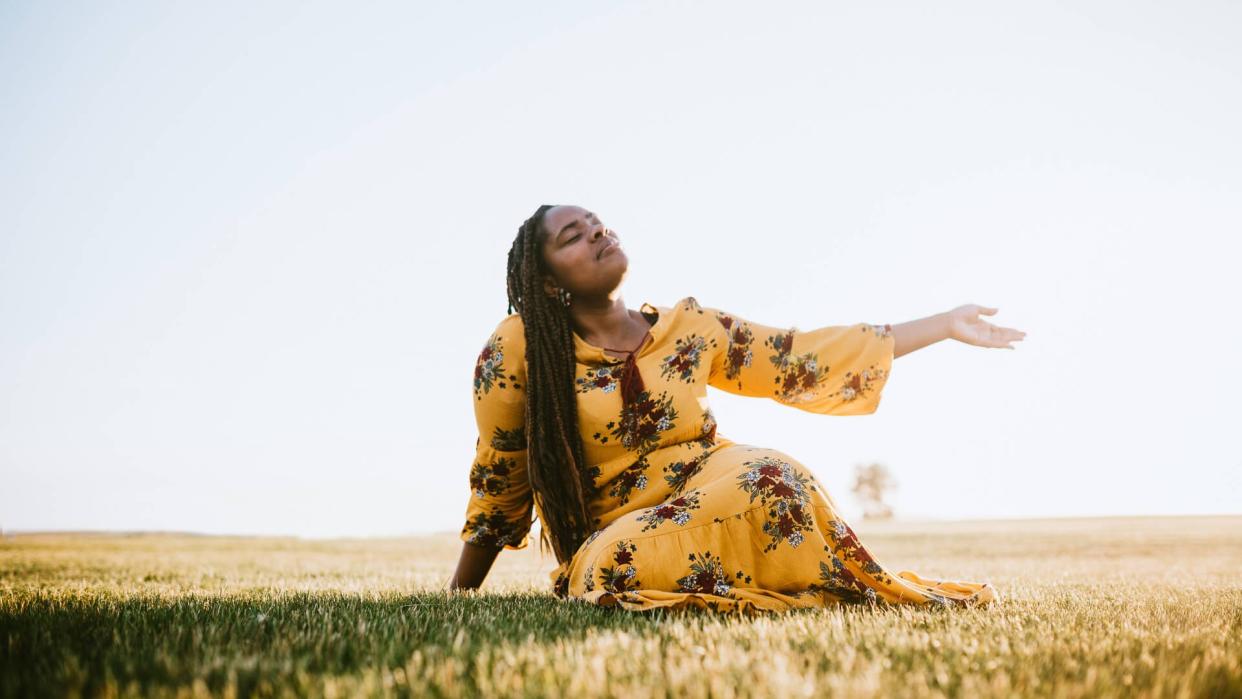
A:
(642, 421)
(492, 530)
(620, 576)
(632, 478)
(682, 364)
(489, 368)
(837, 583)
(677, 510)
(800, 375)
(679, 472)
(857, 385)
(847, 546)
(491, 479)
(707, 574)
(738, 354)
(777, 484)
(604, 378)
(709, 425)
(509, 440)
(884, 330)
(593, 472)
(592, 537)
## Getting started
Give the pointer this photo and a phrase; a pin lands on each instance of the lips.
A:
(607, 246)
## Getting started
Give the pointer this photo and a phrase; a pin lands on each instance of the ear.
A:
(549, 286)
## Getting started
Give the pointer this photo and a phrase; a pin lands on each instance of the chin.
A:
(613, 279)
(615, 258)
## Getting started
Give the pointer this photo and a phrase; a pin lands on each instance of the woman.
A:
(596, 417)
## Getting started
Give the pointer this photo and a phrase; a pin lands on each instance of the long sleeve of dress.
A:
(833, 370)
(499, 512)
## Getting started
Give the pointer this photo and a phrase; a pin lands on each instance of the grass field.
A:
(1093, 607)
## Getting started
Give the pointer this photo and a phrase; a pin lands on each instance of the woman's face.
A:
(583, 254)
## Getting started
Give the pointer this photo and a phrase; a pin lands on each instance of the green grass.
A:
(1105, 607)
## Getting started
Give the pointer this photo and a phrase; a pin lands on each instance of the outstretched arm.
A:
(829, 370)
(961, 324)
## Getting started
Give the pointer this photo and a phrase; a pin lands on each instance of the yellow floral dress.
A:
(683, 515)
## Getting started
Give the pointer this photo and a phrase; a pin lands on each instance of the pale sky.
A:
(249, 254)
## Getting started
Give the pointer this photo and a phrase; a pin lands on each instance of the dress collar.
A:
(587, 353)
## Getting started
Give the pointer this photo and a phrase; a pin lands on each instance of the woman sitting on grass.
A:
(595, 417)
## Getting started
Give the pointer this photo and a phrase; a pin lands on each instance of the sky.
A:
(249, 252)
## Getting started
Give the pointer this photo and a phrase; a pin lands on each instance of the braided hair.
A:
(557, 465)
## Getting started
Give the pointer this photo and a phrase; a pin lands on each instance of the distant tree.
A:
(870, 484)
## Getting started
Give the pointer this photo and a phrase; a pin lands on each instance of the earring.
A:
(561, 295)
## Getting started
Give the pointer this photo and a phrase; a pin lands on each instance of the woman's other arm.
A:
(498, 512)
(472, 567)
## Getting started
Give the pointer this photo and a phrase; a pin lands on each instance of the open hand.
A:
(966, 326)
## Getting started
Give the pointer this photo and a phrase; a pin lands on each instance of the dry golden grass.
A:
(1093, 607)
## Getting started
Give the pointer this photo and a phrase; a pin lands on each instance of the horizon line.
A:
(11, 533)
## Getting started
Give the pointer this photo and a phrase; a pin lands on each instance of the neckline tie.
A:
(631, 380)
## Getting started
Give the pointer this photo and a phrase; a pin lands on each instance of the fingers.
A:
(999, 337)
(1012, 335)
(1008, 339)
(1003, 332)
(988, 335)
